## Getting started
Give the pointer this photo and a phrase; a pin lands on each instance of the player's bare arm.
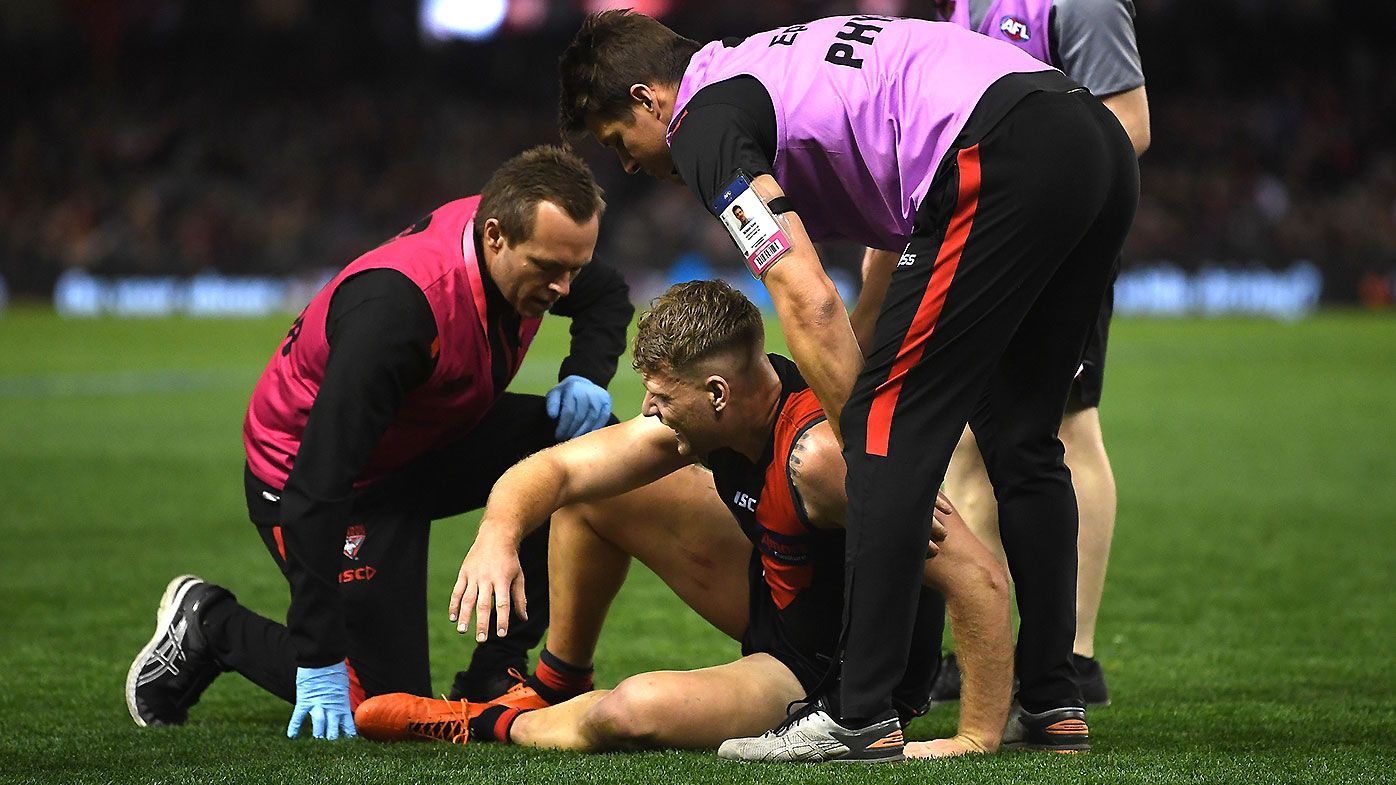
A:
(812, 315)
(1132, 109)
(817, 470)
(606, 462)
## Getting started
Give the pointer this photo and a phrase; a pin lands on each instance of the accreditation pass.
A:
(752, 225)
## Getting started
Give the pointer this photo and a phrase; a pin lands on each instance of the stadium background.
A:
(174, 158)
(271, 137)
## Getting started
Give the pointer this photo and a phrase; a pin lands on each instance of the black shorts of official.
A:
(1089, 384)
(383, 567)
(985, 322)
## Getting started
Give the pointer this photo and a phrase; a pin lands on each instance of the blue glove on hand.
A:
(579, 406)
(323, 693)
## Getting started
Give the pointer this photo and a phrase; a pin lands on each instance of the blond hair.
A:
(693, 322)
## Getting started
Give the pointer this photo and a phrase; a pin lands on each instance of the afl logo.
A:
(1015, 28)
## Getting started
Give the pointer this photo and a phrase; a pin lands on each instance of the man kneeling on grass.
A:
(774, 582)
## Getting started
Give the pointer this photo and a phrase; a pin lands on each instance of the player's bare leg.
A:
(1094, 482)
(967, 482)
(677, 526)
(668, 709)
(975, 586)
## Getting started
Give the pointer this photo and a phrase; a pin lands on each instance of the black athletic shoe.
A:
(812, 735)
(1091, 679)
(946, 687)
(485, 687)
(1054, 730)
(175, 667)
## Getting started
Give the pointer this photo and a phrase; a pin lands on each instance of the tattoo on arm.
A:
(793, 467)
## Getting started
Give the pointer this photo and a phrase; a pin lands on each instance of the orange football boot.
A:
(519, 696)
(399, 716)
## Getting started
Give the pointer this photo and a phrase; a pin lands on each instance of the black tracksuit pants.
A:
(984, 322)
(384, 566)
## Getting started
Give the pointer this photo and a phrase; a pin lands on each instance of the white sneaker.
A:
(812, 735)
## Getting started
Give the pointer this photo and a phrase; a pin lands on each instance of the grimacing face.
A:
(686, 408)
(639, 142)
(533, 274)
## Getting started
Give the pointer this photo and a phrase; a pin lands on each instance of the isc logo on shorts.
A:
(1015, 28)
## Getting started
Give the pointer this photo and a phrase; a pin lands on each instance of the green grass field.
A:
(1247, 630)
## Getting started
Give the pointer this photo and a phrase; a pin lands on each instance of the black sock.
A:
(557, 680)
(493, 724)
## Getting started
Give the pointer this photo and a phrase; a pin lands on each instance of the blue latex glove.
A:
(323, 693)
(579, 406)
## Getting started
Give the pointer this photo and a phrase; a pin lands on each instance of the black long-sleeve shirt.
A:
(380, 330)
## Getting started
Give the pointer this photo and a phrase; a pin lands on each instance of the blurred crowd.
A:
(181, 159)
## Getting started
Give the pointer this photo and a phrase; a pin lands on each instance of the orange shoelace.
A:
(455, 730)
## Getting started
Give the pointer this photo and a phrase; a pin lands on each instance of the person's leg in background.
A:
(1094, 480)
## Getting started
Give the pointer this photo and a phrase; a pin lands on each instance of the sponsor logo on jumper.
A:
(354, 538)
(745, 501)
(1015, 28)
(787, 552)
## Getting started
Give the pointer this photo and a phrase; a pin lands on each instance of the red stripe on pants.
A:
(932, 302)
(356, 689)
(280, 544)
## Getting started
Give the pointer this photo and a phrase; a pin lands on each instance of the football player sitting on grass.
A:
(774, 581)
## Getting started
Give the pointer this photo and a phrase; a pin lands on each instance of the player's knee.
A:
(582, 519)
(630, 715)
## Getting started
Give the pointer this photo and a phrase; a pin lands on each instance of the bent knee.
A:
(590, 517)
(629, 716)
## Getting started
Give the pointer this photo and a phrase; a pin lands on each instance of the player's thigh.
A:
(679, 528)
(700, 709)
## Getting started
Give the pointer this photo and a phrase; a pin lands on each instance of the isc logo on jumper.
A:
(1015, 28)
(745, 501)
(357, 574)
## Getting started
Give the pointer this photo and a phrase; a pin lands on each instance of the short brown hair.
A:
(693, 322)
(612, 51)
(546, 173)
